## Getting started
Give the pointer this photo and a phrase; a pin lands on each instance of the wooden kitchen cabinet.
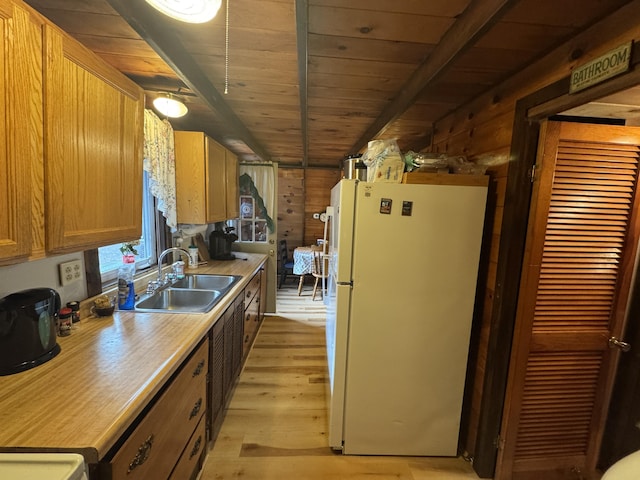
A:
(192, 457)
(233, 333)
(206, 179)
(227, 357)
(166, 436)
(225, 360)
(216, 383)
(20, 132)
(232, 185)
(71, 148)
(93, 144)
(251, 312)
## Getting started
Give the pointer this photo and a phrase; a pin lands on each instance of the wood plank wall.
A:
(482, 131)
(301, 193)
(291, 207)
(318, 184)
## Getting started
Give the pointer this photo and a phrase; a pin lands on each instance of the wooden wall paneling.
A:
(318, 184)
(291, 207)
(479, 330)
(455, 133)
(601, 37)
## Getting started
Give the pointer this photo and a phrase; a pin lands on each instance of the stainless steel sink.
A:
(206, 282)
(180, 300)
(195, 293)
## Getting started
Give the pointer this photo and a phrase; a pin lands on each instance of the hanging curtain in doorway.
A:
(160, 163)
(259, 181)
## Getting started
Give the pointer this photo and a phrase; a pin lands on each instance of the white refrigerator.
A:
(403, 265)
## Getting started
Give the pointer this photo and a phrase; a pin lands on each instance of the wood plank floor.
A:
(276, 425)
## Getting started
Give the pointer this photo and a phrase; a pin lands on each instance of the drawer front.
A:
(251, 289)
(189, 459)
(250, 324)
(154, 447)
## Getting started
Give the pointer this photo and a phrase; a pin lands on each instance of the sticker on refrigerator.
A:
(407, 208)
(385, 206)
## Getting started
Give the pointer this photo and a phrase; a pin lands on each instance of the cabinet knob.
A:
(198, 369)
(196, 408)
(196, 447)
(142, 454)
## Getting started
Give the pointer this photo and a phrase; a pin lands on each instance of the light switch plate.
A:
(70, 272)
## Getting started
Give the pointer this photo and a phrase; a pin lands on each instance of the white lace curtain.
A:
(160, 163)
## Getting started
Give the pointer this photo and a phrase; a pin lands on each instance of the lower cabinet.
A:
(251, 312)
(216, 383)
(231, 339)
(166, 437)
(192, 457)
(171, 440)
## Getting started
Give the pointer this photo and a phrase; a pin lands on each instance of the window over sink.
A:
(110, 256)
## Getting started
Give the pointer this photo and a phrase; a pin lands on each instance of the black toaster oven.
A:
(28, 329)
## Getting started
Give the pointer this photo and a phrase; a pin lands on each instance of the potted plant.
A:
(129, 251)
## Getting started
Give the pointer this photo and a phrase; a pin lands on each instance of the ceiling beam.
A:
(141, 18)
(302, 31)
(472, 23)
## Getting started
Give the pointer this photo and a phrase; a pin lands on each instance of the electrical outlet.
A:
(70, 272)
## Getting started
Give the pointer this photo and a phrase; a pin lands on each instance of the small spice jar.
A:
(75, 311)
(64, 322)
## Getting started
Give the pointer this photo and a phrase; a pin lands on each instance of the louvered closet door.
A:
(581, 244)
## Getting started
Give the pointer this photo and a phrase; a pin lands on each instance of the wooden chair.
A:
(319, 261)
(286, 263)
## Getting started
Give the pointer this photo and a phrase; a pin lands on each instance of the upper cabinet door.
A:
(20, 131)
(201, 173)
(215, 178)
(231, 174)
(93, 149)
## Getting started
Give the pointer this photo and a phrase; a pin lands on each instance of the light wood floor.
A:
(276, 425)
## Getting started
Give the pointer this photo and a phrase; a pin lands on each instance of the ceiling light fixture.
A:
(169, 106)
(191, 11)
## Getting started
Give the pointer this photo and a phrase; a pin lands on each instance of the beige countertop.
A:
(109, 368)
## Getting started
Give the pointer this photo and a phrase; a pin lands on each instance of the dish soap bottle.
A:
(126, 292)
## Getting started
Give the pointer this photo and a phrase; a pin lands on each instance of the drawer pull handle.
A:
(142, 454)
(196, 447)
(198, 369)
(196, 409)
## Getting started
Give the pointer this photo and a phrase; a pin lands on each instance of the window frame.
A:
(150, 232)
(249, 215)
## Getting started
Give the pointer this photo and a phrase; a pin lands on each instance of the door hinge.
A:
(498, 443)
(532, 173)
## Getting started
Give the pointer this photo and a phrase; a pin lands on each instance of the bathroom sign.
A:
(602, 68)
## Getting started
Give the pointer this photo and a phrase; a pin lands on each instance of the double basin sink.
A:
(195, 293)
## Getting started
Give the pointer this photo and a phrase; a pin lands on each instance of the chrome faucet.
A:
(155, 284)
(165, 253)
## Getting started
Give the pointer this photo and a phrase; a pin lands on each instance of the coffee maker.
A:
(220, 241)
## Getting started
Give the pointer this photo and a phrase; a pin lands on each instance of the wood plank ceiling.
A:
(310, 81)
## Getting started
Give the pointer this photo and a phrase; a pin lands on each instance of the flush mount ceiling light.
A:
(170, 106)
(191, 11)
